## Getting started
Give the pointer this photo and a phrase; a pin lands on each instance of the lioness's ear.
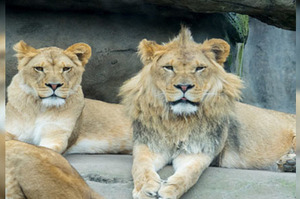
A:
(147, 49)
(81, 50)
(216, 48)
(24, 50)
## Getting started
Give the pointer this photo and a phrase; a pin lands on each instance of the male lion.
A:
(183, 106)
(46, 106)
(38, 172)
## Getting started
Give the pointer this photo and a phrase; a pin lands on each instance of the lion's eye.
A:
(169, 68)
(65, 69)
(39, 69)
(200, 68)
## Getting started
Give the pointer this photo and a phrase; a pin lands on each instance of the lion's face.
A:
(182, 79)
(186, 73)
(52, 74)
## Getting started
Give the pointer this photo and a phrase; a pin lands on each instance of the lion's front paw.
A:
(168, 191)
(148, 190)
(287, 163)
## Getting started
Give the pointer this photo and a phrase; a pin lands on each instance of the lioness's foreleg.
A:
(188, 168)
(56, 140)
(145, 164)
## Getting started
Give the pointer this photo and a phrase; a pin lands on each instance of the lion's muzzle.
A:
(184, 87)
(54, 86)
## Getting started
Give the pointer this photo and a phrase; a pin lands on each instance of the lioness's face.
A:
(187, 72)
(51, 74)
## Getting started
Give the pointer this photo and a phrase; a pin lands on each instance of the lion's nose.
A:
(184, 87)
(54, 86)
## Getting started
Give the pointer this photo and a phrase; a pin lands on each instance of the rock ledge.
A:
(110, 176)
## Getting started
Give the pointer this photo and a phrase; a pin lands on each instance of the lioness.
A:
(38, 172)
(184, 109)
(46, 106)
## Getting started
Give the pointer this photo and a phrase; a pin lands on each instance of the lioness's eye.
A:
(65, 69)
(199, 68)
(39, 69)
(168, 68)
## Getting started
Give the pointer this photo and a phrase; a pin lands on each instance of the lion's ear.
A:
(82, 51)
(216, 48)
(147, 49)
(24, 50)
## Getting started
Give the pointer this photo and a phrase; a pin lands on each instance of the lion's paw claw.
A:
(287, 163)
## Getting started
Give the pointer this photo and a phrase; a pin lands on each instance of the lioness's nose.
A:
(54, 86)
(184, 87)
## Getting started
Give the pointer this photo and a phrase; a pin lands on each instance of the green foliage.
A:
(239, 26)
(240, 52)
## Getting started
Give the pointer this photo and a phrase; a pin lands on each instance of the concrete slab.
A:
(110, 176)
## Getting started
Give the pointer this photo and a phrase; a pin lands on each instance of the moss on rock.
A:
(238, 26)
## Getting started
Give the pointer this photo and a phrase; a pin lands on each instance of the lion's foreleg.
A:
(145, 164)
(188, 168)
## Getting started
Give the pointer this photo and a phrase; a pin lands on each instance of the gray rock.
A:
(269, 67)
(103, 174)
(281, 13)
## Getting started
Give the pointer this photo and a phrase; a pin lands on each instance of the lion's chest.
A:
(207, 140)
(193, 142)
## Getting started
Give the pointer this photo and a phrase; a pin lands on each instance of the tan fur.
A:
(71, 124)
(149, 181)
(213, 124)
(266, 135)
(37, 172)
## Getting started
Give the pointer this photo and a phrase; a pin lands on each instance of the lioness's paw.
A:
(149, 190)
(287, 163)
(168, 191)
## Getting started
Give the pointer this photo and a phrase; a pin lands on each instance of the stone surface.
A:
(103, 174)
(281, 13)
(269, 67)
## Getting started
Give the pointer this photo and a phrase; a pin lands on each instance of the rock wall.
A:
(269, 67)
